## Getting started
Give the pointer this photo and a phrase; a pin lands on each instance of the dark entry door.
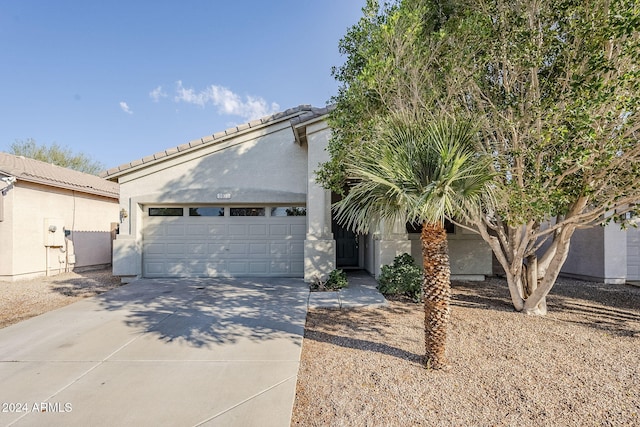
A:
(347, 254)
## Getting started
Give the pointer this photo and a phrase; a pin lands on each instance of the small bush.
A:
(403, 277)
(336, 281)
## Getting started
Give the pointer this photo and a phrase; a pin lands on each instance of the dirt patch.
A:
(23, 299)
(579, 365)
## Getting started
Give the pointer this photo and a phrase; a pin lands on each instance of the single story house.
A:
(245, 202)
(53, 219)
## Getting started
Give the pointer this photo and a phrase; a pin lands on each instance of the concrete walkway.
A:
(174, 352)
(161, 352)
(361, 292)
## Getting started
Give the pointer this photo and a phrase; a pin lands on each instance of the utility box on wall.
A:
(53, 232)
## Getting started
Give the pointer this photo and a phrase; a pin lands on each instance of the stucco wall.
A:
(31, 204)
(633, 254)
(469, 255)
(598, 253)
(261, 166)
(6, 234)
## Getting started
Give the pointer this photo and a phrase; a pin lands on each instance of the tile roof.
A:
(31, 170)
(296, 115)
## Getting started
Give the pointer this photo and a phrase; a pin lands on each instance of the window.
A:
(207, 211)
(289, 211)
(166, 212)
(247, 211)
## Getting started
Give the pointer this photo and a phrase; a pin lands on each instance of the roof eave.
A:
(87, 190)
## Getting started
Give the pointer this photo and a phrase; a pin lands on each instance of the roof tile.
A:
(304, 112)
(55, 176)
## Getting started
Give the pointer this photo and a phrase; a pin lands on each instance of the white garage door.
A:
(223, 241)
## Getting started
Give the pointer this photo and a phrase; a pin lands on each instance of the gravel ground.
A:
(23, 299)
(577, 366)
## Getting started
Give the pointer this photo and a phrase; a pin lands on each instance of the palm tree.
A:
(420, 172)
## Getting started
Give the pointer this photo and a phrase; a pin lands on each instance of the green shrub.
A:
(336, 281)
(403, 277)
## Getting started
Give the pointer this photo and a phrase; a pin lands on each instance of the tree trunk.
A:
(437, 293)
(531, 283)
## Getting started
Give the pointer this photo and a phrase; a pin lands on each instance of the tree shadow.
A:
(87, 285)
(212, 311)
(338, 327)
(491, 294)
(614, 309)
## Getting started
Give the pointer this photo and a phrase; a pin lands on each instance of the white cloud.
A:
(124, 107)
(157, 93)
(227, 102)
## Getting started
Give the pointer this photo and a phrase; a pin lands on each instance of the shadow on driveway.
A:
(202, 312)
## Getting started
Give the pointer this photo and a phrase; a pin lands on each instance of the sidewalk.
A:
(361, 292)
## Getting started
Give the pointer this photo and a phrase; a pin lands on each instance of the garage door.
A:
(223, 241)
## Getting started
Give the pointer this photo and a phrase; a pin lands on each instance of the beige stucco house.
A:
(53, 219)
(245, 202)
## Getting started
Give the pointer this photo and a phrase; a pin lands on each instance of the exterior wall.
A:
(633, 254)
(469, 255)
(6, 234)
(606, 254)
(389, 241)
(85, 215)
(263, 166)
(320, 246)
(597, 253)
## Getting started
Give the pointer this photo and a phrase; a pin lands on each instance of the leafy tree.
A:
(555, 87)
(57, 155)
(418, 172)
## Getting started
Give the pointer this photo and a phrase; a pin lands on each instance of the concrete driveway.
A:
(159, 352)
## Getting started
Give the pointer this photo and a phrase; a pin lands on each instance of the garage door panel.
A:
(217, 230)
(223, 246)
(297, 247)
(155, 249)
(175, 230)
(237, 230)
(197, 249)
(281, 267)
(257, 248)
(155, 268)
(175, 248)
(279, 248)
(257, 230)
(197, 230)
(238, 267)
(280, 230)
(216, 248)
(154, 230)
(198, 268)
(176, 268)
(238, 248)
(299, 230)
(297, 267)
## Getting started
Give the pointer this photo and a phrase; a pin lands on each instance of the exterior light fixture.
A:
(123, 214)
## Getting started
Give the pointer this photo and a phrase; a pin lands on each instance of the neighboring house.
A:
(245, 202)
(605, 254)
(53, 219)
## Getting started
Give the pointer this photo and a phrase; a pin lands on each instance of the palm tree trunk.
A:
(437, 293)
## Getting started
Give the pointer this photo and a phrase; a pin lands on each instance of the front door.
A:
(347, 254)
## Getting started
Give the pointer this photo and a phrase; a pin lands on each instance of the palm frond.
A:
(415, 171)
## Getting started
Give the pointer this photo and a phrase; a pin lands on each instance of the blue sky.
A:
(120, 80)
